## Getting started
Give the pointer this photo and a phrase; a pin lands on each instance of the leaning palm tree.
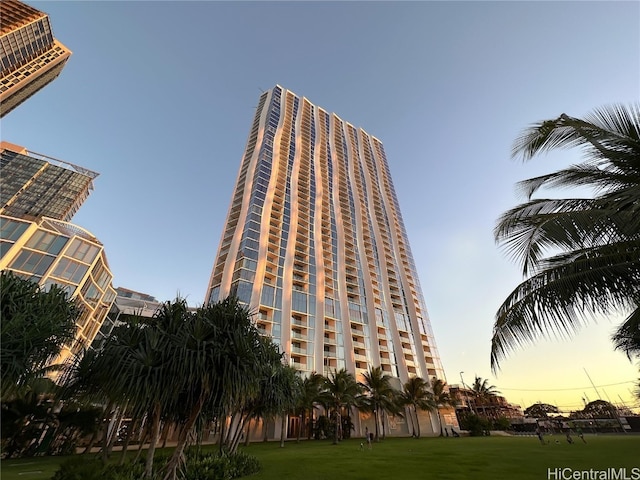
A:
(378, 393)
(580, 256)
(416, 395)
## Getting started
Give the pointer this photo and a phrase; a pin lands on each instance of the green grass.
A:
(409, 459)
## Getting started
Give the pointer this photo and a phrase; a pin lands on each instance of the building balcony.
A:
(360, 357)
(300, 351)
(299, 322)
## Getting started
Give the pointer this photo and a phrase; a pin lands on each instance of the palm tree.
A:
(340, 392)
(287, 389)
(85, 379)
(416, 394)
(483, 392)
(310, 392)
(215, 360)
(144, 383)
(379, 394)
(275, 392)
(581, 255)
(35, 326)
(441, 397)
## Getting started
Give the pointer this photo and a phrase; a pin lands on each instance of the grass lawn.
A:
(425, 458)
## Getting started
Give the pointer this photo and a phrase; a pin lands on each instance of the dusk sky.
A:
(158, 98)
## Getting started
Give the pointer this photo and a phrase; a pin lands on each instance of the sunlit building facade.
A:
(30, 57)
(50, 251)
(314, 242)
(38, 197)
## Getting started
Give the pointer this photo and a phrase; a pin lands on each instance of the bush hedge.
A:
(198, 466)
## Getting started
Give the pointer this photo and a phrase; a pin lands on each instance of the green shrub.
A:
(224, 466)
(502, 423)
(199, 466)
(476, 425)
(91, 468)
(80, 468)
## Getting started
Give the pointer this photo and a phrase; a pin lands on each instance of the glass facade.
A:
(32, 185)
(38, 195)
(315, 243)
(30, 57)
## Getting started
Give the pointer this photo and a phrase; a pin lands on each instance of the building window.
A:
(47, 242)
(32, 262)
(298, 301)
(11, 230)
(82, 251)
(70, 270)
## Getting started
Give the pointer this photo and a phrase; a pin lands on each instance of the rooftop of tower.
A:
(14, 14)
(326, 111)
(54, 161)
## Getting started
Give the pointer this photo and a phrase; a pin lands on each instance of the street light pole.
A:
(466, 393)
(466, 398)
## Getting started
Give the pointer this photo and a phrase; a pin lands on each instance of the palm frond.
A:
(530, 231)
(561, 298)
(581, 256)
(627, 336)
(610, 130)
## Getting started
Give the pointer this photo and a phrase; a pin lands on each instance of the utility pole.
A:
(466, 394)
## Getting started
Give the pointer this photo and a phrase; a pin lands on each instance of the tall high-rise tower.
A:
(30, 57)
(314, 242)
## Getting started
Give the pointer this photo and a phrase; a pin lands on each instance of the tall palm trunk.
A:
(105, 431)
(153, 440)
(415, 412)
(114, 432)
(310, 426)
(223, 432)
(166, 429)
(125, 445)
(247, 438)
(383, 418)
(300, 426)
(177, 457)
(283, 429)
(238, 433)
(376, 419)
(143, 438)
(92, 441)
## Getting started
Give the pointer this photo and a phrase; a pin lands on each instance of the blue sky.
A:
(158, 97)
